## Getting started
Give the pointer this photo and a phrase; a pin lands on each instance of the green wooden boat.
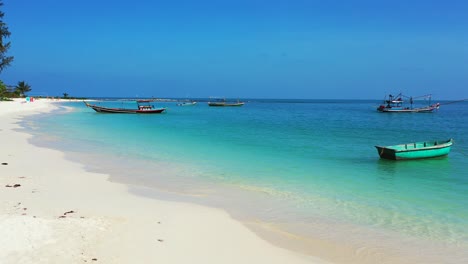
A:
(418, 150)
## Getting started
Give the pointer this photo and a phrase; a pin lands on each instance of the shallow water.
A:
(308, 167)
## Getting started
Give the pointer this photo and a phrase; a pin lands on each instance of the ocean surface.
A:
(304, 167)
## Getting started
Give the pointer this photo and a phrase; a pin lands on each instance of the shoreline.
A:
(60, 213)
(319, 239)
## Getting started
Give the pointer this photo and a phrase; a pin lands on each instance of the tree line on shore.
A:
(21, 88)
(6, 60)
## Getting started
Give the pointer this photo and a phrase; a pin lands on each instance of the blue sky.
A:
(240, 48)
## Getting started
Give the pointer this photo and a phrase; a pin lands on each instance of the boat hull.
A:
(187, 104)
(429, 109)
(224, 104)
(418, 150)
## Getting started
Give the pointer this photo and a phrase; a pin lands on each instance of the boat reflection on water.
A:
(423, 169)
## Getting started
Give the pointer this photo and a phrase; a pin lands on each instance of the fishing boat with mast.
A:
(397, 104)
(143, 107)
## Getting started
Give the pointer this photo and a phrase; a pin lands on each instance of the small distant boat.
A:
(144, 107)
(192, 103)
(418, 150)
(395, 104)
(223, 102)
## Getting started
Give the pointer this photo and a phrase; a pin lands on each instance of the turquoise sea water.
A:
(308, 166)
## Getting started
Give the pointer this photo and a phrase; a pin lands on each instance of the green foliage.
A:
(5, 60)
(22, 88)
(3, 90)
(65, 95)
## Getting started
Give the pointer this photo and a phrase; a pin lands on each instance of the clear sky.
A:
(357, 49)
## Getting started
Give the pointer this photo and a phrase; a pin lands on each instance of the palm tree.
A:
(22, 88)
(65, 95)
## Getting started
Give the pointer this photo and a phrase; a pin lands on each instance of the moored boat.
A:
(396, 104)
(143, 107)
(417, 150)
(191, 103)
(223, 102)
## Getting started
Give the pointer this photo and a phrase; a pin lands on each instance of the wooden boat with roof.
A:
(143, 107)
(417, 150)
(396, 104)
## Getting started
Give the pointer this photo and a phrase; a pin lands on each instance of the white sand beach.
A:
(53, 211)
